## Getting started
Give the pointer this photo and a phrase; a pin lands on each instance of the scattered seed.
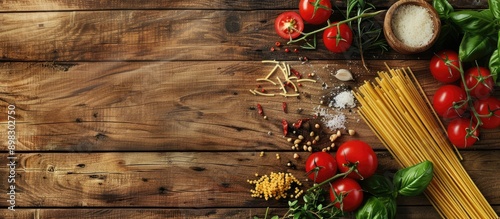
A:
(301, 137)
(308, 143)
(297, 141)
(296, 156)
(351, 132)
(305, 147)
(261, 153)
(310, 149)
(317, 126)
(339, 133)
(333, 137)
(289, 139)
(316, 138)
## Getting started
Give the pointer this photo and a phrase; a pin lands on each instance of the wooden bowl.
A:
(396, 43)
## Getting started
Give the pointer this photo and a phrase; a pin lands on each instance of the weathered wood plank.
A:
(58, 5)
(413, 212)
(145, 106)
(166, 35)
(182, 180)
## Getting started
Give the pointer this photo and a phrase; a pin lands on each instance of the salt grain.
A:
(331, 121)
(344, 100)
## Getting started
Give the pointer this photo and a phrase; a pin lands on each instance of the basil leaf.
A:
(494, 6)
(475, 46)
(373, 209)
(443, 8)
(378, 185)
(390, 205)
(478, 22)
(413, 180)
(494, 66)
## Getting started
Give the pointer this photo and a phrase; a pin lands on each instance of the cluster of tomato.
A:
(290, 24)
(346, 191)
(461, 101)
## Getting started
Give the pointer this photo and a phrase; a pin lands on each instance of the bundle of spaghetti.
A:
(398, 112)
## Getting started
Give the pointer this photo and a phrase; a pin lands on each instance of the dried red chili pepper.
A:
(296, 73)
(299, 122)
(284, 124)
(285, 107)
(260, 110)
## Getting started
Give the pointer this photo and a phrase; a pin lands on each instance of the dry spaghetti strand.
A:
(398, 112)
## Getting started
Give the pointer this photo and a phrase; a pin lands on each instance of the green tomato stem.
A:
(351, 169)
(470, 103)
(305, 35)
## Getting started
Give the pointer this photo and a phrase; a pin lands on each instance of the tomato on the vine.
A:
(347, 194)
(489, 112)
(356, 152)
(444, 66)
(458, 130)
(479, 81)
(446, 97)
(289, 25)
(315, 11)
(321, 166)
(338, 38)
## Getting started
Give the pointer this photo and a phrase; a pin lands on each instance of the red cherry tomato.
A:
(457, 133)
(484, 108)
(315, 11)
(338, 38)
(444, 99)
(357, 152)
(444, 66)
(479, 81)
(349, 192)
(321, 166)
(289, 25)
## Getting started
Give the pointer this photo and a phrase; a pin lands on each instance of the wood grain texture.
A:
(175, 106)
(162, 35)
(62, 5)
(182, 179)
(141, 109)
(413, 212)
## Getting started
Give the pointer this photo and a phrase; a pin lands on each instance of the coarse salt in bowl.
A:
(411, 26)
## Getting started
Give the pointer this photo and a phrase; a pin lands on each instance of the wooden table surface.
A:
(142, 109)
